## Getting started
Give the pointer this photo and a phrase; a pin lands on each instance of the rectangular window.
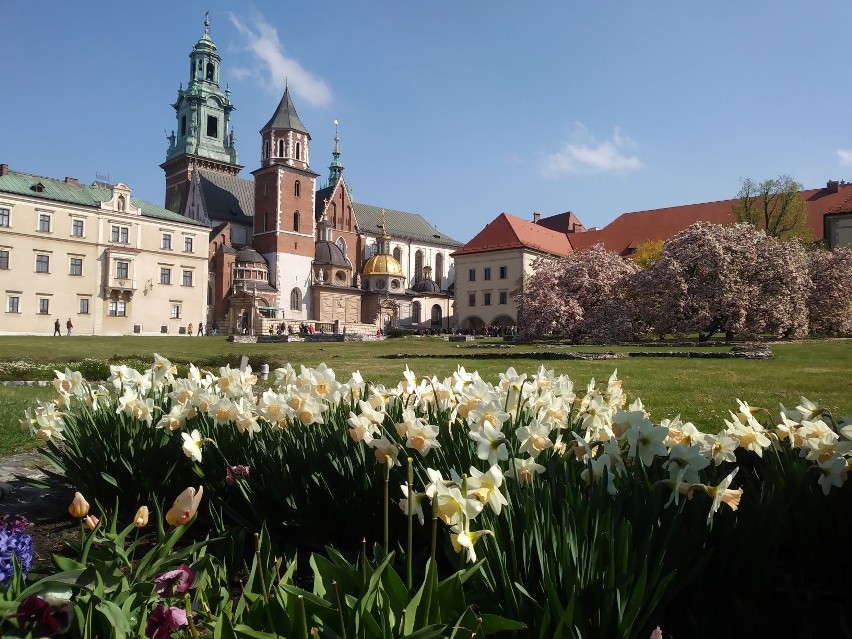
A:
(165, 275)
(76, 267)
(43, 306)
(487, 300)
(503, 273)
(117, 308)
(471, 299)
(182, 125)
(187, 245)
(77, 228)
(84, 306)
(14, 305)
(120, 234)
(4, 217)
(122, 270)
(4, 260)
(44, 222)
(187, 278)
(471, 275)
(42, 263)
(167, 241)
(503, 297)
(487, 274)
(212, 126)
(175, 311)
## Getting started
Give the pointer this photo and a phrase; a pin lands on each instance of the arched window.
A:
(341, 244)
(280, 148)
(418, 266)
(210, 71)
(298, 150)
(397, 254)
(266, 149)
(296, 221)
(439, 268)
(415, 312)
(295, 300)
(436, 316)
(297, 189)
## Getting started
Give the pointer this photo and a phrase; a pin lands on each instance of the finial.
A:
(207, 22)
(384, 229)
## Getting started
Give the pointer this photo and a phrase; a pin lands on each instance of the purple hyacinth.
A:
(14, 544)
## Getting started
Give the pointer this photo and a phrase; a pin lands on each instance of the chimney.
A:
(4, 169)
(832, 185)
(536, 217)
(70, 180)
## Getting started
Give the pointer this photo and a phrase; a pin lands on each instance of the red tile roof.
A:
(563, 222)
(629, 230)
(510, 232)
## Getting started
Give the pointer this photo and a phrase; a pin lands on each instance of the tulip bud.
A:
(140, 520)
(79, 506)
(91, 521)
(185, 506)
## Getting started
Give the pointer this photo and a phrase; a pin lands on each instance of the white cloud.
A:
(274, 67)
(585, 154)
(845, 156)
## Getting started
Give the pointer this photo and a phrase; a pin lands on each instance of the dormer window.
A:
(38, 188)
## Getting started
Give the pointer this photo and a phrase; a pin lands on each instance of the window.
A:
(175, 314)
(4, 217)
(280, 148)
(296, 221)
(212, 126)
(187, 245)
(43, 306)
(297, 189)
(44, 222)
(503, 273)
(503, 297)
(210, 71)
(42, 264)
(182, 125)
(167, 241)
(397, 254)
(120, 234)
(77, 228)
(4, 260)
(165, 275)
(415, 312)
(471, 275)
(439, 268)
(471, 299)
(84, 306)
(487, 273)
(295, 300)
(76, 267)
(298, 150)
(487, 299)
(418, 266)
(14, 305)
(187, 278)
(117, 308)
(122, 270)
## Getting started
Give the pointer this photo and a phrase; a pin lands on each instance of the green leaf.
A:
(115, 618)
(494, 623)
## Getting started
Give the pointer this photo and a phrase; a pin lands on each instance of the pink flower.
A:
(163, 621)
(178, 581)
(657, 633)
(235, 473)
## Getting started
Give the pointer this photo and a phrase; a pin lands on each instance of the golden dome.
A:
(382, 265)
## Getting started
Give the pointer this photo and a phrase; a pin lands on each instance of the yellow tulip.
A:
(185, 506)
(79, 506)
(140, 520)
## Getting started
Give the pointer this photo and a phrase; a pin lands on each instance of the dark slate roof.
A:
(329, 253)
(285, 116)
(426, 286)
(227, 197)
(400, 225)
(248, 254)
(82, 194)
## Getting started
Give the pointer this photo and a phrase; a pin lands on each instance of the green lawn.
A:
(700, 390)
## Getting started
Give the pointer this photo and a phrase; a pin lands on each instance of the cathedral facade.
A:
(287, 252)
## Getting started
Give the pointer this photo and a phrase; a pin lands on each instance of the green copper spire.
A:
(335, 169)
(203, 110)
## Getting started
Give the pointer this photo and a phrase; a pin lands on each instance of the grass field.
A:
(700, 390)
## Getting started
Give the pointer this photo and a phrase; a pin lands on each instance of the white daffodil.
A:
(464, 539)
(723, 494)
(833, 472)
(647, 441)
(192, 445)
(361, 428)
(491, 444)
(684, 462)
(451, 507)
(720, 448)
(416, 502)
(422, 437)
(534, 438)
(750, 435)
(486, 487)
(525, 470)
(384, 450)
(595, 472)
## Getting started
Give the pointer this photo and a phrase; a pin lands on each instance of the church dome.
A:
(248, 254)
(330, 253)
(382, 265)
(426, 286)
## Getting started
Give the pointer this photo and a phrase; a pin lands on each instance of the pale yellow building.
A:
(95, 256)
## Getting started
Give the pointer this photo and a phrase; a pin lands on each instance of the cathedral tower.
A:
(203, 138)
(284, 221)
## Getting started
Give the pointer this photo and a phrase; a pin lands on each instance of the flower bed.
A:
(571, 513)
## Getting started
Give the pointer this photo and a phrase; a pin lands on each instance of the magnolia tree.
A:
(583, 297)
(736, 279)
(830, 299)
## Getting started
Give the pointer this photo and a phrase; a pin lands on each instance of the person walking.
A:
(201, 329)
(56, 328)
(189, 329)
(69, 326)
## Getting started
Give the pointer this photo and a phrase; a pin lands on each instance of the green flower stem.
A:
(188, 605)
(339, 609)
(261, 572)
(387, 502)
(410, 513)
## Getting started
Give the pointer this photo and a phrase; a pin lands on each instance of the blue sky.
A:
(456, 110)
